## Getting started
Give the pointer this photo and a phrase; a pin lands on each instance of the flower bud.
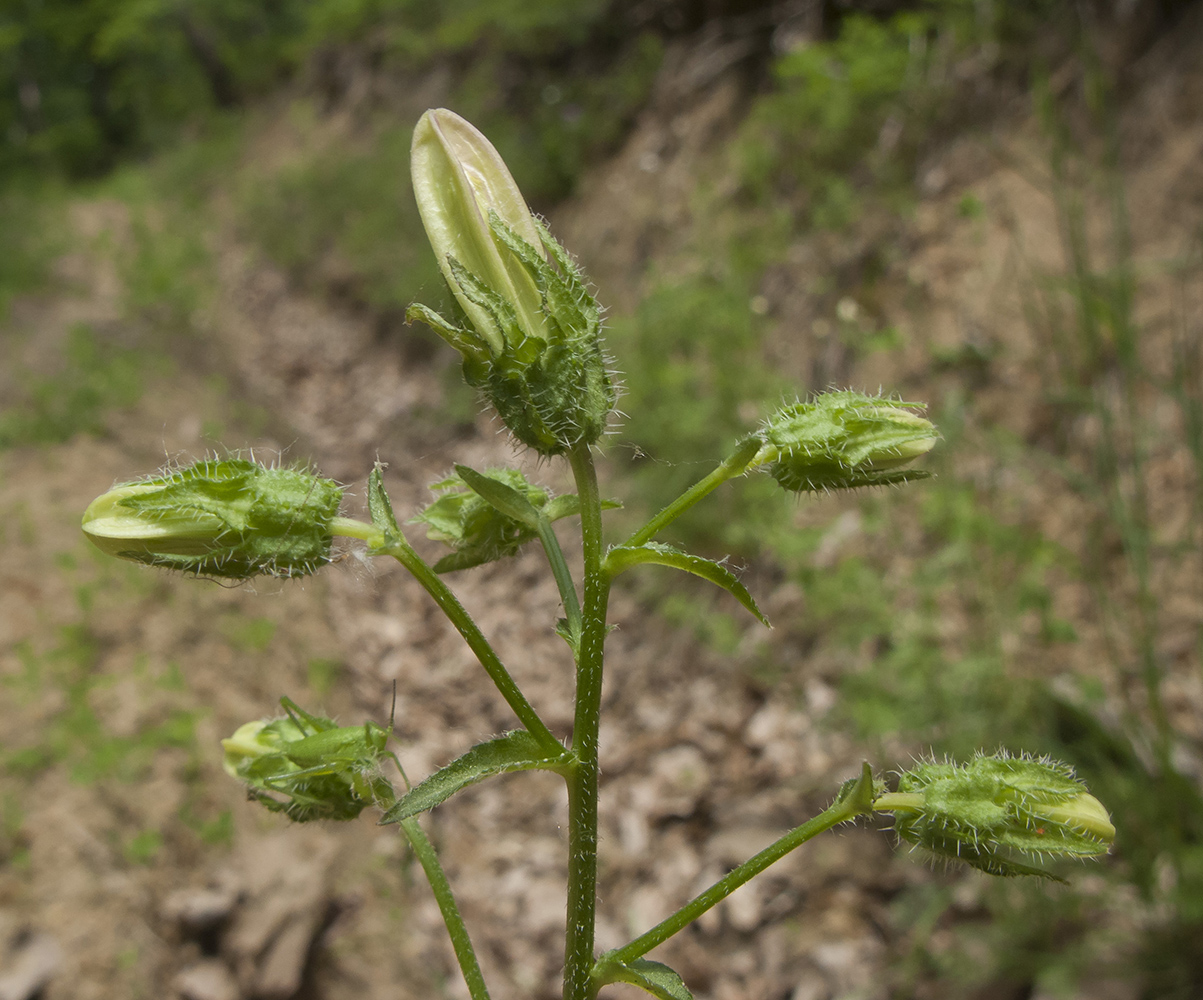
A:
(985, 811)
(307, 767)
(227, 518)
(844, 439)
(459, 178)
(531, 341)
(476, 530)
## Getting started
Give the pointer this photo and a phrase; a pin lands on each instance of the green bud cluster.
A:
(476, 530)
(530, 336)
(844, 439)
(307, 767)
(229, 518)
(997, 805)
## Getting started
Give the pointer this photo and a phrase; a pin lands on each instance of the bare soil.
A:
(131, 866)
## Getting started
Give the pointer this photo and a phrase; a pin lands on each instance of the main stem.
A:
(582, 781)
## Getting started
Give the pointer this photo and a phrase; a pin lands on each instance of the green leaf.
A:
(379, 506)
(501, 497)
(624, 557)
(515, 751)
(654, 977)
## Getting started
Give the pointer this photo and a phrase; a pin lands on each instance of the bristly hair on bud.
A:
(985, 812)
(842, 440)
(531, 335)
(230, 518)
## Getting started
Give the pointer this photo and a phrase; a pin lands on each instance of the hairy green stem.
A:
(734, 465)
(403, 552)
(582, 781)
(464, 952)
(846, 808)
(349, 527)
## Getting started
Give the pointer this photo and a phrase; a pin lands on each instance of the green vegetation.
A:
(95, 378)
(950, 654)
(75, 735)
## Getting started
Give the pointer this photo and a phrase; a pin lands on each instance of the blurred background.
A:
(207, 243)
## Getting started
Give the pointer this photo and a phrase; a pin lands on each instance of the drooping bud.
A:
(844, 439)
(476, 530)
(307, 767)
(229, 518)
(996, 806)
(532, 338)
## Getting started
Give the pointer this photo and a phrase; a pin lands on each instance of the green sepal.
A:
(657, 553)
(519, 346)
(466, 342)
(655, 978)
(515, 751)
(504, 499)
(308, 767)
(566, 302)
(380, 507)
(861, 791)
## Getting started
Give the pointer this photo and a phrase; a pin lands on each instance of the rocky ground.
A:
(132, 866)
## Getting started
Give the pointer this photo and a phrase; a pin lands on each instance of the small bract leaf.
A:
(516, 751)
(655, 978)
(379, 506)
(659, 554)
(503, 498)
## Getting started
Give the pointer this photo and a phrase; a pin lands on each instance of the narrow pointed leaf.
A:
(379, 506)
(516, 751)
(655, 978)
(503, 498)
(624, 557)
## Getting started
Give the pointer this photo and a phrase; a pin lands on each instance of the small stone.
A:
(207, 980)
(31, 966)
(196, 911)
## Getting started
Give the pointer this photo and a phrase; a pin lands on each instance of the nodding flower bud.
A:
(307, 767)
(476, 530)
(229, 518)
(844, 439)
(996, 806)
(531, 337)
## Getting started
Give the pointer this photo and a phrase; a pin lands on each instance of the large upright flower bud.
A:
(228, 518)
(531, 339)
